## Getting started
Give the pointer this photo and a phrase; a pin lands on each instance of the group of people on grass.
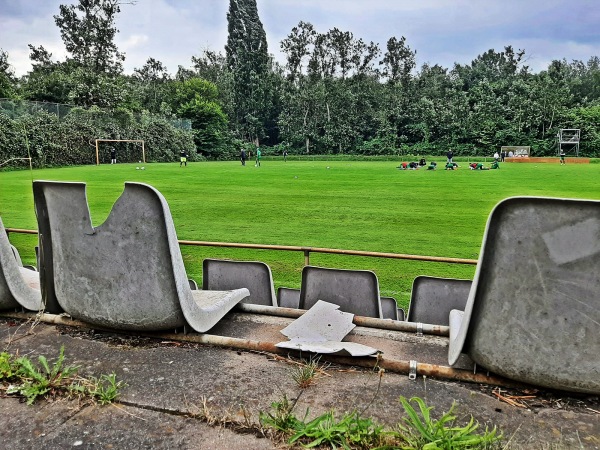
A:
(480, 166)
(450, 165)
(244, 156)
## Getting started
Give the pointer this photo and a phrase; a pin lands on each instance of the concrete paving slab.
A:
(66, 424)
(167, 378)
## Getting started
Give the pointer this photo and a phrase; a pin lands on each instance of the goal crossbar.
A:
(120, 140)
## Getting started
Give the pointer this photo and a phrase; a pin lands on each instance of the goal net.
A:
(124, 150)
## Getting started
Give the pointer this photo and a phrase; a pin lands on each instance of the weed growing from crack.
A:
(419, 431)
(304, 374)
(281, 417)
(105, 389)
(351, 431)
(21, 376)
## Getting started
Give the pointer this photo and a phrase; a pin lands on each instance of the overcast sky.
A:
(441, 31)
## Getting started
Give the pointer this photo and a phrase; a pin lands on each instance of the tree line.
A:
(335, 93)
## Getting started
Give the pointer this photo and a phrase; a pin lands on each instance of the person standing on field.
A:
(562, 157)
(113, 155)
(449, 156)
(183, 158)
(243, 156)
(257, 157)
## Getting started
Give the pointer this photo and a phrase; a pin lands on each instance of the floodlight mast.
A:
(120, 140)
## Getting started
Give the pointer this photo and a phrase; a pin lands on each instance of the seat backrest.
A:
(16, 255)
(288, 297)
(389, 308)
(126, 273)
(533, 313)
(355, 291)
(433, 298)
(222, 275)
(15, 282)
(401, 314)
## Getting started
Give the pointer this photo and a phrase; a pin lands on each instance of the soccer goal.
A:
(135, 141)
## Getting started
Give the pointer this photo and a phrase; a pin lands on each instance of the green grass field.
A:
(368, 206)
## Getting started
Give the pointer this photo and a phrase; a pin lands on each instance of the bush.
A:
(71, 141)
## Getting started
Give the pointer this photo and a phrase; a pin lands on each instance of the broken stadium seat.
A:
(533, 312)
(127, 273)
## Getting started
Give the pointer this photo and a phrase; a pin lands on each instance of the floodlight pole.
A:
(569, 137)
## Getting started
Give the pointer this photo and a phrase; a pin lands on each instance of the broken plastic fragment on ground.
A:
(321, 330)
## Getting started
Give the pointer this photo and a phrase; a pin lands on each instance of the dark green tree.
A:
(250, 66)
(152, 84)
(88, 31)
(48, 81)
(297, 46)
(91, 75)
(7, 79)
(212, 66)
(197, 99)
(398, 61)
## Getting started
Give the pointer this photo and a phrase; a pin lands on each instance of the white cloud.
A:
(135, 40)
(18, 32)
(442, 31)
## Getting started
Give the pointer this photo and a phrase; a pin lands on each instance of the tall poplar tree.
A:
(250, 65)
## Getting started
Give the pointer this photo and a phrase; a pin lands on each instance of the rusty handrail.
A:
(306, 250)
(389, 364)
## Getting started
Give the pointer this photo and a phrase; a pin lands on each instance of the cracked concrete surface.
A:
(167, 381)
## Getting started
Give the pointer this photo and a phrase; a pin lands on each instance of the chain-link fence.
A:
(17, 108)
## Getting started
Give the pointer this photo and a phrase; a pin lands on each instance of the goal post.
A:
(138, 141)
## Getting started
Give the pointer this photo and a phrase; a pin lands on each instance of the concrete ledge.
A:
(548, 160)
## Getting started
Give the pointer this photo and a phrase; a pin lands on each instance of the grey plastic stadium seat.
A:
(433, 298)
(533, 313)
(355, 291)
(288, 297)
(401, 314)
(19, 287)
(126, 273)
(389, 308)
(16, 255)
(221, 274)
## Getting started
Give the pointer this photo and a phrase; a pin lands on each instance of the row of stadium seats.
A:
(531, 313)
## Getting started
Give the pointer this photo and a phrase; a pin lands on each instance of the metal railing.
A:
(306, 250)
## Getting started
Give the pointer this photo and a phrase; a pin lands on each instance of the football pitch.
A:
(368, 206)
